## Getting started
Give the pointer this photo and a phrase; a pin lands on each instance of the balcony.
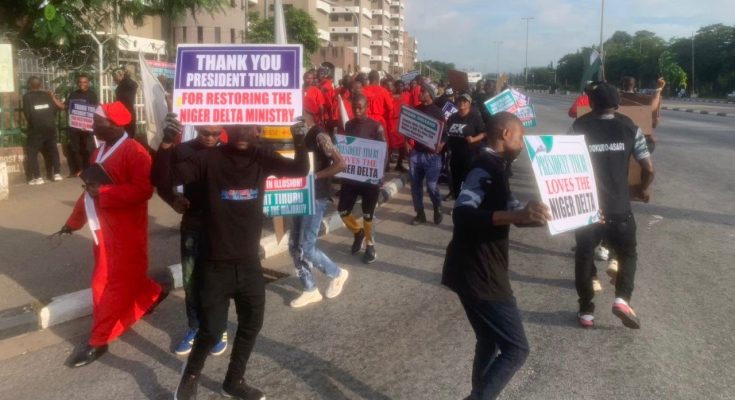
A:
(380, 12)
(321, 5)
(350, 29)
(365, 50)
(398, 53)
(380, 43)
(384, 28)
(398, 17)
(380, 58)
(324, 34)
(353, 10)
(398, 28)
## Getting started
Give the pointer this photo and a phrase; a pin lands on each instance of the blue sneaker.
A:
(220, 347)
(187, 343)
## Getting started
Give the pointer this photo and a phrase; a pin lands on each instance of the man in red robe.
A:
(331, 115)
(380, 101)
(396, 141)
(115, 205)
(314, 96)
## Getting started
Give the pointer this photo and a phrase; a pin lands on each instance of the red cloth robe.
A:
(315, 94)
(395, 139)
(122, 292)
(380, 104)
(330, 113)
(416, 96)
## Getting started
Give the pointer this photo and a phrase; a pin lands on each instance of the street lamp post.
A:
(602, 52)
(693, 36)
(527, 19)
(100, 57)
(359, 38)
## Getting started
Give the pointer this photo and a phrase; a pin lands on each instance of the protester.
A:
(396, 141)
(426, 164)
(313, 94)
(190, 205)
(40, 108)
(380, 101)
(125, 93)
(363, 127)
(476, 264)
(305, 230)
(115, 206)
(415, 90)
(447, 97)
(465, 132)
(232, 178)
(581, 101)
(628, 97)
(326, 85)
(612, 138)
(81, 142)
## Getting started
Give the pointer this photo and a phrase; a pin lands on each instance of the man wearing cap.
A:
(115, 205)
(125, 93)
(426, 164)
(612, 138)
(465, 133)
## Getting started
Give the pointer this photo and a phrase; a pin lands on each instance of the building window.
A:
(217, 35)
(183, 35)
(232, 35)
(334, 17)
(200, 34)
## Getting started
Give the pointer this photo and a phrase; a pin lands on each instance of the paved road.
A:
(395, 333)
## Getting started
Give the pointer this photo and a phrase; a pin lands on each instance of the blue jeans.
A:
(429, 167)
(302, 246)
(189, 250)
(501, 347)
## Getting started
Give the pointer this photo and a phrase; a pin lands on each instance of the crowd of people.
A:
(217, 180)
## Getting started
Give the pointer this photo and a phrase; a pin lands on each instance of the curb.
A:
(70, 306)
(704, 112)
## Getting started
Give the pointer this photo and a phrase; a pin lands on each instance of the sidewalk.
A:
(42, 313)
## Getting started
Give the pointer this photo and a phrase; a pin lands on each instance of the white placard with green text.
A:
(565, 179)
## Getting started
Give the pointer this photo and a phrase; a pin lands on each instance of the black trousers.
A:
(216, 283)
(459, 168)
(45, 143)
(619, 233)
(81, 147)
(349, 193)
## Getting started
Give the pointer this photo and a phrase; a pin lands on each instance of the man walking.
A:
(426, 164)
(125, 93)
(363, 127)
(305, 230)
(476, 264)
(115, 205)
(612, 138)
(39, 109)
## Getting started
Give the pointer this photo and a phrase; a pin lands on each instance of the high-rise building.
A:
(349, 26)
(410, 51)
(226, 26)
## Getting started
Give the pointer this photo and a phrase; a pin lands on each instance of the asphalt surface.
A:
(395, 333)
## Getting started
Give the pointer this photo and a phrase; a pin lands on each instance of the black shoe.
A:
(357, 244)
(187, 389)
(161, 298)
(438, 217)
(240, 390)
(419, 219)
(369, 257)
(87, 355)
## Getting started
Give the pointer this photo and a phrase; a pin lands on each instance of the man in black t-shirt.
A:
(426, 164)
(39, 109)
(232, 180)
(476, 264)
(612, 138)
(465, 133)
(81, 142)
(363, 127)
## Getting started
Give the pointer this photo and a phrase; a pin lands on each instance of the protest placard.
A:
(365, 159)
(409, 76)
(565, 179)
(238, 84)
(289, 196)
(81, 115)
(420, 127)
(502, 102)
(515, 102)
(449, 109)
(527, 115)
(458, 81)
(162, 68)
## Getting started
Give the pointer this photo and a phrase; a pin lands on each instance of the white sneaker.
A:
(602, 253)
(335, 286)
(306, 298)
(596, 286)
(37, 181)
(58, 177)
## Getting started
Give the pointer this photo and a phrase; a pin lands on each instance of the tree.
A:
(300, 28)
(671, 71)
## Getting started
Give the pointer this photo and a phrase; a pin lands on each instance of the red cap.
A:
(117, 113)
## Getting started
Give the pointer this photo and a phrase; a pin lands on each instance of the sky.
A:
(464, 31)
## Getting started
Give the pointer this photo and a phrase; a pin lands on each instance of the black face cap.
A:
(603, 95)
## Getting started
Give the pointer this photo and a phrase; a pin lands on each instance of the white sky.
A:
(463, 31)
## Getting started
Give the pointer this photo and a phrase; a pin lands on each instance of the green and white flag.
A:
(592, 69)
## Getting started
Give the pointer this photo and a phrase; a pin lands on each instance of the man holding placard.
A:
(81, 104)
(476, 264)
(362, 127)
(611, 138)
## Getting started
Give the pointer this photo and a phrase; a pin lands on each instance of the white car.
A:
(731, 96)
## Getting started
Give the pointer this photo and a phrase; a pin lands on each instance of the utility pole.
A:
(527, 19)
(602, 51)
(694, 34)
(497, 65)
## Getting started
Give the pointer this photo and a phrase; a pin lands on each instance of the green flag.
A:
(592, 69)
